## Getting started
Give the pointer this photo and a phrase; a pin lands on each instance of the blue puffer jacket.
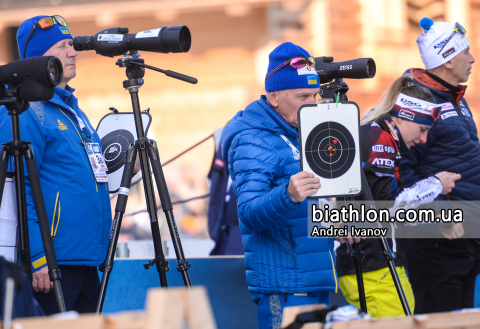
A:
(452, 143)
(78, 208)
(279, 256)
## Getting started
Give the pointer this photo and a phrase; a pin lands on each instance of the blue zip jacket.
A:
(279, 255)
(452, 143)
(78, 208)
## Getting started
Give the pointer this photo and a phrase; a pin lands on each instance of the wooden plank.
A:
(164, 308)
(198, 311)
(90, 321)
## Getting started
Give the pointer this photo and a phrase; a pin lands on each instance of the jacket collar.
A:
(436, 83)
(64, 97)
(267, 118)
(387, 124)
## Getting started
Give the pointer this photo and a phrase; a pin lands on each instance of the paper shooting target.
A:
(329, 147)
(115, 146)
(116, 131)
(330, 150)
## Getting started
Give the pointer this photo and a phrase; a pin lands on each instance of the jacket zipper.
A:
(53, 232)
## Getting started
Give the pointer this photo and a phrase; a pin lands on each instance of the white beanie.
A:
(434, 37)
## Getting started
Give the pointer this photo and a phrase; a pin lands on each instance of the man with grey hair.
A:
(443, 269)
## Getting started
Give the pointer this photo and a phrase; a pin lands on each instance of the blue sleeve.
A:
(32, 131)
(254, 163)
(412, 158)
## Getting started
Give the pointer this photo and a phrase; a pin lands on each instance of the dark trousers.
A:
(81, 287)
(442, 273)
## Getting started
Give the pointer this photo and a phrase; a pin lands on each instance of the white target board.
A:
(116, 131)
(330, 149)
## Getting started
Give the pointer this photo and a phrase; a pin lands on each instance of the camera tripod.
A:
(19, 149)
(148, 155)
(337, 90)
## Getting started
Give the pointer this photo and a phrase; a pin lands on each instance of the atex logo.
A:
(384, 162)
(408, 103)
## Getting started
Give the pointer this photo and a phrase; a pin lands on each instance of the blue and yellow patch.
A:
(64, 30)
(312, 79)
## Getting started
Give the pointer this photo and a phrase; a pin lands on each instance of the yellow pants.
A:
(380, 292)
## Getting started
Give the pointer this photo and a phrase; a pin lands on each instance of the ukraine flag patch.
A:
(64, 30)
(312, 79)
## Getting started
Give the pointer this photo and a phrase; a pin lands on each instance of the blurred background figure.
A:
(222, 207)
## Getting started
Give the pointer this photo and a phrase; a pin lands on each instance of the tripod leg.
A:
(182, 263)
(358, 257)
(388, 256)
(24, 239)
(159, 260)
(107, 266)
(3, 170)
(53, 270)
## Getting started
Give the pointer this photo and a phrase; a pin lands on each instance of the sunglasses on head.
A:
(45, 23)
(458, 28)
(296, 63)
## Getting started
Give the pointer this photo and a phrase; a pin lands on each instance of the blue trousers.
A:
(270, 306)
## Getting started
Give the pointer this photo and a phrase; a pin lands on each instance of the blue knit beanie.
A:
(287, 77)
(41, 40)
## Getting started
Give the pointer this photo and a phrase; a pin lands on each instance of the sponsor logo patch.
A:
(383, 148)
(425, 195)
(440, 44)
(447, 106)
(61, 125)
(406, 115)
(306, 70)
(408, 103)
(448, 52)
(449, 114)
(381, 162)
(465, 112)
(381, 174)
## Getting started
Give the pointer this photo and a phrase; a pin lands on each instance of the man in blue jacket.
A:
(77, 200)
(284, 267)
(443, 271)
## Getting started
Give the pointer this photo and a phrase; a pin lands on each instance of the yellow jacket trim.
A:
(39, 262)
(54, 213)
(334, 274)
(58, 221)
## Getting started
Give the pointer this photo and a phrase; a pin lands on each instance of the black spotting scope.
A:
(36, 77)
(116, 41)
(361, 68)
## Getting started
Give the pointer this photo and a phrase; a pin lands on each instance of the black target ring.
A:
(115, 147)
(330, 150)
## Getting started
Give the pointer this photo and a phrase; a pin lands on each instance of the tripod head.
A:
(136, 69)
(12, 101)
(337, 88)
